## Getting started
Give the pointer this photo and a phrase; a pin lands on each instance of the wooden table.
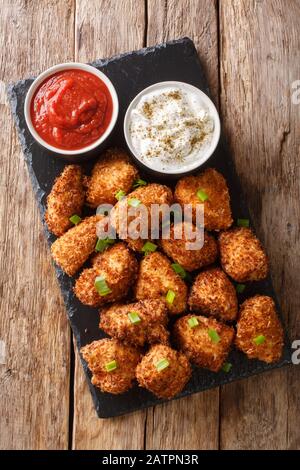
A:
(251, 51)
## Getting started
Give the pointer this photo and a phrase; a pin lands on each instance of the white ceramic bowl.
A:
(207, 102)
(58, 68)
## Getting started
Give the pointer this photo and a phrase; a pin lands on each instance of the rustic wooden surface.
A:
(251, 51)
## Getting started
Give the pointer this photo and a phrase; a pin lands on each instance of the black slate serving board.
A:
(131, 73)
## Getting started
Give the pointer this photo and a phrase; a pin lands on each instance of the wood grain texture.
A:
(260, 58)
(105, 28)
(34, 380)
(176, 425)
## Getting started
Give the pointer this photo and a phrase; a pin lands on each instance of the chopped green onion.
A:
(179, 270)
(170, 296)
(240, 288)
(227, 367)
(243, 222)
(133, 202)
(260, 339)
(120, 194)
(110, 366)
(139, 182)
(75, 219)
(193, 322)
(102, 244)
(162, 364)
(101, 286)
(202, 195)
(149, 247)
(134, 317)
(213, 335)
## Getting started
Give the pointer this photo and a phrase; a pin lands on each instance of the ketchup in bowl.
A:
(71, 109)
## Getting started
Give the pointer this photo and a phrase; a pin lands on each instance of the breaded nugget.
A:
(146, 196)
(156, 278)
(117, 266)
(242, 255)
(136, 323)
(217, 212)
(187, 258)
(259, 331)
(119, 358)
(73, 248)
(65, 199)
(112, 172)
(163, 371)
(207, 344)
(213, 294)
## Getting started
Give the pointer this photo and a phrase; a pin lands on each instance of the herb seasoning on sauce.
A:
(71, 109)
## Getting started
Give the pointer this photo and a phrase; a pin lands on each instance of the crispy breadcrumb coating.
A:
(258, 319)
(157, 277)
(217, 212)
(213, 294)
(168, 382)
(115, 322)
(65, 199)
(102, 352)
(242, 255)
(197, 343)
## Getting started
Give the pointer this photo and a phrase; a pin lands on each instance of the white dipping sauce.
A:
(170, 128)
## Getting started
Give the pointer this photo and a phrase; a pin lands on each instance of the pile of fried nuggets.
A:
(139, 344)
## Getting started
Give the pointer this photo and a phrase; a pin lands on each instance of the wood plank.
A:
(176, 425)
(105, 28)
(260, 58)
(34, 378)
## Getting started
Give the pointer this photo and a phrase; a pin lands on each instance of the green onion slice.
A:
(243, 222)
(193, 322)
(149, 247)
(213, 335)
(162, 364)
(139, 182)
(120, 194)
(179, 270)
(227, 366)
(134, 318)
(101, 245)
(240, 288)
(202, 195)
(75, 219)
(260, 339)
(170, 296)
(134, 202)
(101, 286)
(110, 366)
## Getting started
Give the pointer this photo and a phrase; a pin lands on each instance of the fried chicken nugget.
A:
(112, 172)
(157, 278)
(72, 249)
(259, 331)
(187, 258)
(117, 266)
(112, 364)
(163, 371)
(217, 212)
(149, 326)
(242, 255)
(206, 342)
(213, 294)
(65, 199)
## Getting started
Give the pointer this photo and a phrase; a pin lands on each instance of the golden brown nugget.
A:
(213, 294)
(113, 172)
(259, 331)
(117, 266)
(74, 247)
(217, 211)
(242, 255)
(157, 278)
(187, 258)
(112, 364)
(65, 199)
(206, 344)
(136, 323)
(145, 195)
(163, 371)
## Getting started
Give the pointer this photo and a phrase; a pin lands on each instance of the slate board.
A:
(131, 73)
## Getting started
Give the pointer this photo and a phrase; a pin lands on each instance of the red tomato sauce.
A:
(71, 109)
